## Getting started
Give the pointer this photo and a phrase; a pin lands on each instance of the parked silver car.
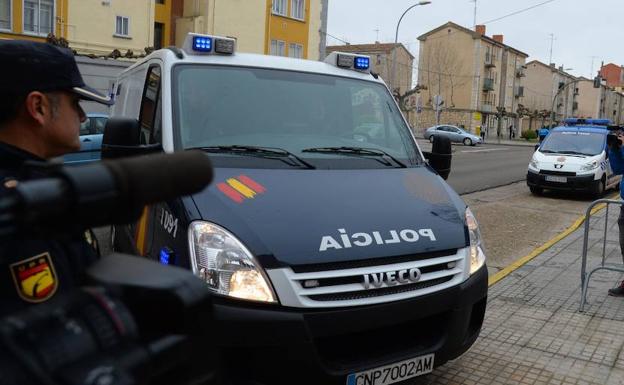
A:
(455, 134)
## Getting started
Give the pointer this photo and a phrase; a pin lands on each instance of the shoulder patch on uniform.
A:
(35, 278)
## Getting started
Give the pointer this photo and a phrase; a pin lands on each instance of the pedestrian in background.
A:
(40, 116)
(616, 160)
(543, 133)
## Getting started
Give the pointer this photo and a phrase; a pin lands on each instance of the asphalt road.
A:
(485, 166)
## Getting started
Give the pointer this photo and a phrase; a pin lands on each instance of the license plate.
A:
(392, 373)
(559, 179)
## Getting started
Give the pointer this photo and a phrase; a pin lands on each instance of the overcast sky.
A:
(582, 28)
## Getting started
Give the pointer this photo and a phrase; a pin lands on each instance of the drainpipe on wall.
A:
(323, 37)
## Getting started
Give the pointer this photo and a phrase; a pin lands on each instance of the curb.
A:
(510, 144)
(493, 279)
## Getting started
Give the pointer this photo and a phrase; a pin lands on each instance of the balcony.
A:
(488, 84)
(519, 92)
(520, 73)
(489, 61)
(485, 107)
(575, 106)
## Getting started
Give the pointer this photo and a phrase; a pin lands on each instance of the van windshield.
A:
(574, 143)
(292, 111)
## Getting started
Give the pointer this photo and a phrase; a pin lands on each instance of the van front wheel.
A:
(599, 189)
(536, 190)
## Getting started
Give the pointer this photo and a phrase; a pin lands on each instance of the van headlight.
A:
(590, 166)
(477, 257)
(534, 163)
(229, 269)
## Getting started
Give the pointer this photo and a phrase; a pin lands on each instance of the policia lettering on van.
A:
(335, 251)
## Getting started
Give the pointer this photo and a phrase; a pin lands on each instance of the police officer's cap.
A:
(27, 66)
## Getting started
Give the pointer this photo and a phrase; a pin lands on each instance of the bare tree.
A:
(444, 71)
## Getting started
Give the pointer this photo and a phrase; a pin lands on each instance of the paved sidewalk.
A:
(533, 332)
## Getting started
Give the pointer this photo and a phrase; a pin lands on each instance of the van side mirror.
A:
(122, 138)
(440, 156)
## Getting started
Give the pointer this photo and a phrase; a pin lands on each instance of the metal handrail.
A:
(585, 276)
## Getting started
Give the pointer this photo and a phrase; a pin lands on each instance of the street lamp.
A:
(552, 108)
(396, 39)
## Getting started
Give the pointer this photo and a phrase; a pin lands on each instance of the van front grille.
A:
(365, 282)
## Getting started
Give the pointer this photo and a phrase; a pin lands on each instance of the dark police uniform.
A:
(37, 270)
(34, 270)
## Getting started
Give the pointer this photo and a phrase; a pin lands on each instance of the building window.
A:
(122, 26)
(295, 50)
(5, 14)
(277, 48)
(297, 9)
(39, 16)
(280, 7)
(159, 35)
(160, 1)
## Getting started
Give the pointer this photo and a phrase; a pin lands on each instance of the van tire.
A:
(467, 142)
(599, 188)
(536, 190)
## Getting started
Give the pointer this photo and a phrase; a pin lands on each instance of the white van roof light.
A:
(349, 61)
(198, 44)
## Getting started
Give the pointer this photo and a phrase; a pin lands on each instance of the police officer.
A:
(40, 116)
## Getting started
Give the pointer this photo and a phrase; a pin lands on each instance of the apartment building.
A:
(32, 19)
(98, 27)
(614, 76)
(479, 78)
(381, 62)
(601, 103)
(293, 28)
(548, 88)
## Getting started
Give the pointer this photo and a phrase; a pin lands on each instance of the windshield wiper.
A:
(572, 153)
(264, 152)
(358, 151)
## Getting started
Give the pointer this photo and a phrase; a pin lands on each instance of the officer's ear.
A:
(38, 107)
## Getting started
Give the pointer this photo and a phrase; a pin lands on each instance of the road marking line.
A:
(527, 258)
(485, 150)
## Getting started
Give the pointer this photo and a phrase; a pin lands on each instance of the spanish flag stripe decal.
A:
(141, 231)
(252, 184)
(230, 192)
(241, 188)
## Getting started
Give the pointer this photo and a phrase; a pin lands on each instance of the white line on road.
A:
(484, 150)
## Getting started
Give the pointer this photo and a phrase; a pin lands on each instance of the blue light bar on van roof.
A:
(361, 63)
(202, 44)
(349, 61)
(589, 122)
(197, 44)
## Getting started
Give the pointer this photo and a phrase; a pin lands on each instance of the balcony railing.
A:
(489, 61)
(488, 84)
(519, 91)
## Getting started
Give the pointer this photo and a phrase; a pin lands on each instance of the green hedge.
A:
(528, 134)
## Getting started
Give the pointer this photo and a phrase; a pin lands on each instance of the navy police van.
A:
(573, 157)
(335, 251)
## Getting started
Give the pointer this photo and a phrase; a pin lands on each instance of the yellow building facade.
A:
(100, 26)
(33, 19)
(278, 27)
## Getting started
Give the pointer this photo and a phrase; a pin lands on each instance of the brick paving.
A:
(533, 332)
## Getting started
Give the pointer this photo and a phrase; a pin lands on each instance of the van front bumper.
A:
(282, 345)
(572, 183)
